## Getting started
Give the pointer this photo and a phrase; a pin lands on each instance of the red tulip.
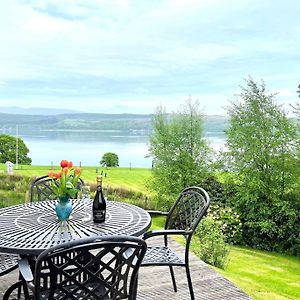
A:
(65, 170)
(51, 174)
(77, 171)
(64, 163)
(70, 164)
(57, 175)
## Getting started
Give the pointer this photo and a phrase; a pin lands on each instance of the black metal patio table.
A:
(28, 229)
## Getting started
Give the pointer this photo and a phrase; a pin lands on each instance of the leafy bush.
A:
(221, 193)
(222, 208)
(273, 226)
(212, 248)
(229, 221)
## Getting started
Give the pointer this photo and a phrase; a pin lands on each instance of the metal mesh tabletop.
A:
(33, 227)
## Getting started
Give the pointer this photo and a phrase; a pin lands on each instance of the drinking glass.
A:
(86, 199)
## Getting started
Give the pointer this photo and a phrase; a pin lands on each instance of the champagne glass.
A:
(86, 197)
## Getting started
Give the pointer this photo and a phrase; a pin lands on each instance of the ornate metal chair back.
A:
(41, 189)
(104, 268)
(188, 209)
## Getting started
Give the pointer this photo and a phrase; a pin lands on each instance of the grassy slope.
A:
(263, 275)
(132, 179)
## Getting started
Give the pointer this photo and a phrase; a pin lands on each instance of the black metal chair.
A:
(93, 268)
(182, 219)
(8, 263)
(41, 189)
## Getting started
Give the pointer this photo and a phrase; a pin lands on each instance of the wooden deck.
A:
(155, 283)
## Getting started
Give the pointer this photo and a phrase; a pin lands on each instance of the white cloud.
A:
(286, 93)
(138, 54)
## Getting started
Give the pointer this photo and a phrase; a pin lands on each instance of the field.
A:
(131, 179)
(263, 275)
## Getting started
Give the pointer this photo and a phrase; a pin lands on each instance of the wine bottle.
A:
(99, 203)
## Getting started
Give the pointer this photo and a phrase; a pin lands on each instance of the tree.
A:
(179, 151)
(8, 150)
(297, 107)
(110, 159)
(262, 150)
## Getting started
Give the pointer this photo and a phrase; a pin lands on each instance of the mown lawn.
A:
(264, 275)
(132, 179)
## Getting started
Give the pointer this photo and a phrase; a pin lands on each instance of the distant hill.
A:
(35, 111)
(82, 121)
(214, 125)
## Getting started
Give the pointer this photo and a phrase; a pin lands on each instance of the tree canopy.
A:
(262, 149)
(8, 150)
(179, 151)
(110, 159)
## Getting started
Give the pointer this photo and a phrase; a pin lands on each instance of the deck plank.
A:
(155, 282)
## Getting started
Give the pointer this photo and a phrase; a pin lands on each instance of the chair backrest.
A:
(93, 268)
(189, 208)
(41, 189)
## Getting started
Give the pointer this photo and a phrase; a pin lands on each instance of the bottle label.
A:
(99, 215)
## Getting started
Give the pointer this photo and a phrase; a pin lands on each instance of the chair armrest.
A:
(26, 272)
(150, 234)
(157, 213)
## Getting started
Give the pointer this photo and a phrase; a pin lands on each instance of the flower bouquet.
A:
(64, 185)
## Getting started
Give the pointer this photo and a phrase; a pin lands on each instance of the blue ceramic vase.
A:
(63, 208)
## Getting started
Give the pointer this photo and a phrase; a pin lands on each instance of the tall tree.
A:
(8, 150)
(262, 148)
(179, 151)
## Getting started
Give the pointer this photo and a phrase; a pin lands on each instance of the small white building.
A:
(9, 167)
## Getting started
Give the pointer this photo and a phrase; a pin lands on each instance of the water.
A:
(86, 147)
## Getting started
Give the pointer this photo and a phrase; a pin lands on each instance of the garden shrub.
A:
(272, 226)
(212, 248)
(229, 221)
(221, 193)
(222, 208)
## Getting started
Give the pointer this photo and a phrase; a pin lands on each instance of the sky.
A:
(122, 56)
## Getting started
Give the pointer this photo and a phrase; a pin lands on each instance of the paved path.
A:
(155, 283)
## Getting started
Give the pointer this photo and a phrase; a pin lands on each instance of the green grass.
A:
(132, 179)
(264, 275)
